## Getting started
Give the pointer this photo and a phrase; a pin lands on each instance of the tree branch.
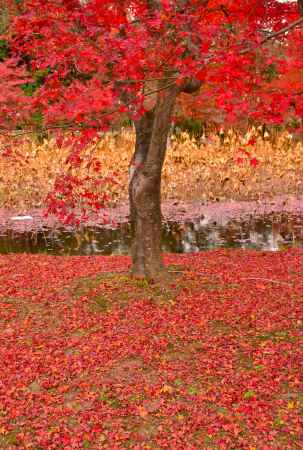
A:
(283, 30)
(189, 86)
(73, 126)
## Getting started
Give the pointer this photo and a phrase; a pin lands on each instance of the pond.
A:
(271, 232)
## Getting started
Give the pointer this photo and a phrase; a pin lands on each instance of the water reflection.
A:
(271, 232)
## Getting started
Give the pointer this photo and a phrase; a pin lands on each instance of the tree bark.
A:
(145, 186)
(145, 179)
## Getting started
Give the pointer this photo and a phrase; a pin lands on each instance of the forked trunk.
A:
(145, 186)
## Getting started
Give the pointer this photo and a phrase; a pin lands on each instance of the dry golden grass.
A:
(210, 171)
(193, 171)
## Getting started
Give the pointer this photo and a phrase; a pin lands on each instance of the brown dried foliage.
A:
(205, 171)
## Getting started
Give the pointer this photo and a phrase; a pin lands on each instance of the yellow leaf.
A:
(167, 389)
(180, 417)
(143, 413)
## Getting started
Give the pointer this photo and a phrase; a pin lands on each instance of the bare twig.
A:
(283, 30)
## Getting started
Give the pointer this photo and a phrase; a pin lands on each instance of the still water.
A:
(270, 232)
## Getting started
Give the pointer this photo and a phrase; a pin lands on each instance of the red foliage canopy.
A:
(104, 56)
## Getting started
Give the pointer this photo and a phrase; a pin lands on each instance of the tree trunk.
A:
(145, 186)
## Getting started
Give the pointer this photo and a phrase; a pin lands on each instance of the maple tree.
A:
(97, 59)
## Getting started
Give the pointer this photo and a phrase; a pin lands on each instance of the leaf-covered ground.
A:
(92, 359)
